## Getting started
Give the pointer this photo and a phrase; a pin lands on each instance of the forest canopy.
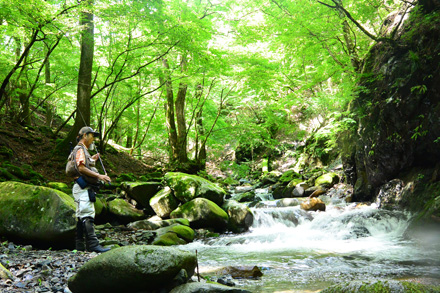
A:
(182, 81)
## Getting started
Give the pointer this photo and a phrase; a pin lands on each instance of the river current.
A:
(300, 251)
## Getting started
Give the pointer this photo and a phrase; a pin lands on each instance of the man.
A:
(83, 191)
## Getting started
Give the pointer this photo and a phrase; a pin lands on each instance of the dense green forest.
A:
(181, 82)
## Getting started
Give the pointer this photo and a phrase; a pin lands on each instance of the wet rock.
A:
(240, 216)
(196, 287)
(380, 286)
(313, 204)
(241, 272)
(132, 269)
(390, 194)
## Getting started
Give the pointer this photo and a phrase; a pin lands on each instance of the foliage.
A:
(255, 70)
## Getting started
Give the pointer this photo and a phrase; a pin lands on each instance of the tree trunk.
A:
(84, 77)
(181, 124)
(169, 110)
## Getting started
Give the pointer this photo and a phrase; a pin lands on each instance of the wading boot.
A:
(79, 239)
(91, 239)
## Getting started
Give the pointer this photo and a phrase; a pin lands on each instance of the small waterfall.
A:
(296, 248)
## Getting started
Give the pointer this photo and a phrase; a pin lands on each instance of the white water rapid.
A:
(300, 251)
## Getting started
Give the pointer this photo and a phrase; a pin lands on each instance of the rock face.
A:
(143, 268)
(187, 187)
(202, 213)
(35, 214)
(398, 107)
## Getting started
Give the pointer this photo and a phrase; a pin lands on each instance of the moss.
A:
(289, 176)
(126, 177)
(168, 239)
(6, 152)
(14, 170)
(183, 232)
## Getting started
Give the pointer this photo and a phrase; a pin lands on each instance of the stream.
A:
(300, 251)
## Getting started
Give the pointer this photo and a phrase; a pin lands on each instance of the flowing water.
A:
(300, 251)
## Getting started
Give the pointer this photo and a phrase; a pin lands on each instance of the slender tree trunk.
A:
(169, 110)
(84, 77)
(181, 124)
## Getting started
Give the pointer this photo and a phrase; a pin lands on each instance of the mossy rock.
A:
(133, 268)
(61, 187)
(385, 286)
(289, 176)
(186, 187)
(168, 239)
(124, 211)
(202, 213)
(327, 180)
(230, 181)
(36, 214)
(174, 235)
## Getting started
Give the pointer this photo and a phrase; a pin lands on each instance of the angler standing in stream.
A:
(81, 167)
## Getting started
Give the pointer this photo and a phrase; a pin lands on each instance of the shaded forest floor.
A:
(34, 146)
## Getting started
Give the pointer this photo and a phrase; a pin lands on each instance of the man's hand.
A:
(104, 178)
(95, 156)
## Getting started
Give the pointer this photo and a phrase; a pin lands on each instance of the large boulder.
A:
(124, 211)
(187, 187)
(140, 268)
(164, 202)
(202, 213)
(240, 216)
(141, 192)
(37, 215)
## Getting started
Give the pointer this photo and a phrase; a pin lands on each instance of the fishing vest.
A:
(72, 168)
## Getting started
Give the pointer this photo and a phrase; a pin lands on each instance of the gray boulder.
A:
(187, 187)
(164, 202)
(36, 214)
(240, 216)
(202, 213)
(141, 268)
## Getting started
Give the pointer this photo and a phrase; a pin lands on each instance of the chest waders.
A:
(85, 226)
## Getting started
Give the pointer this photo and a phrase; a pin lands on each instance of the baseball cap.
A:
(87, 129)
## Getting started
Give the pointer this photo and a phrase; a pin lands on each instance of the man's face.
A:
(89, 138)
